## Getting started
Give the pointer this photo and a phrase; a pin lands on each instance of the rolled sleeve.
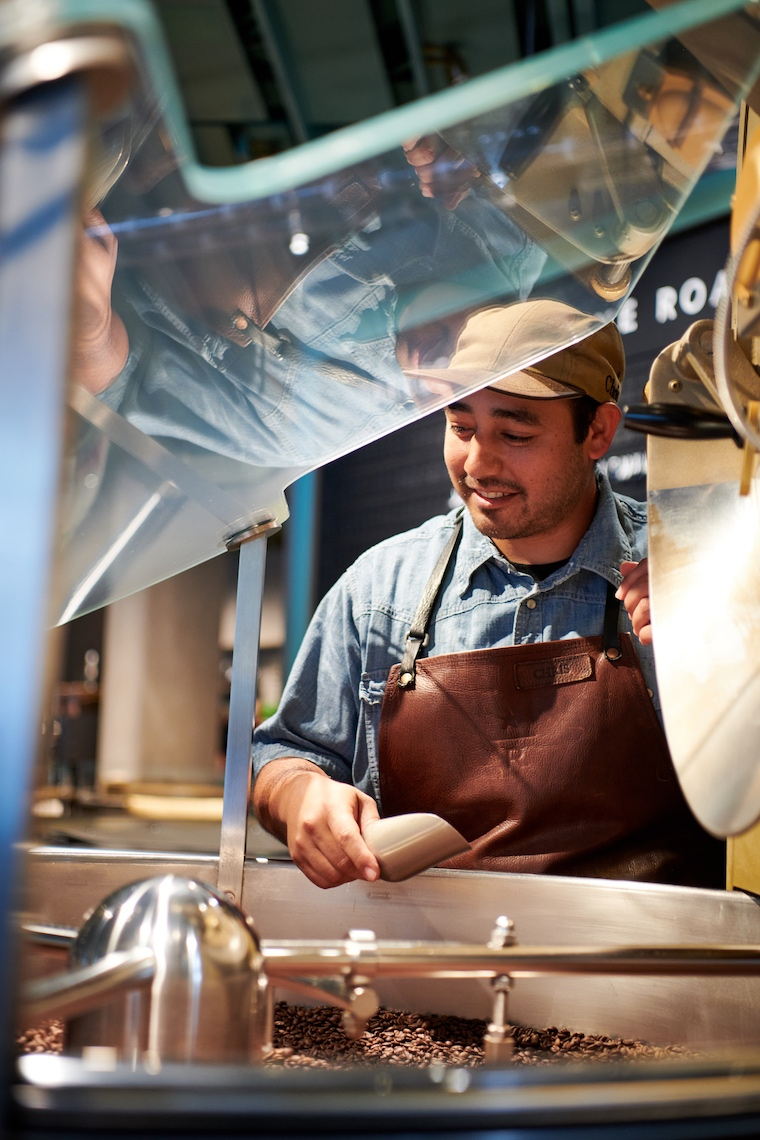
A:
(318, 715)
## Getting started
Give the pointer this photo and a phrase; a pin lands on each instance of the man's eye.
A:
(460, 429)
(516, 438)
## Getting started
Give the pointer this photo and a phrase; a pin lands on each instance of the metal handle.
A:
(452, 960)
(46, 934)
(88, 987)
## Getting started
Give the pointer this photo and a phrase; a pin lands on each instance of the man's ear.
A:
(602, 429)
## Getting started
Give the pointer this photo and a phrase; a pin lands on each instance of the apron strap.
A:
(417, 635)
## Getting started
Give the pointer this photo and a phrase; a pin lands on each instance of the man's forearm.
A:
(272, 789)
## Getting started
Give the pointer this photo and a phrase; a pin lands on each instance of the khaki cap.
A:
(501, 347)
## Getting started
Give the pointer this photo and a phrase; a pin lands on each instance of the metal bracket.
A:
(245, 660)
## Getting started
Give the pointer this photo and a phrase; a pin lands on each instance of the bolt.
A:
(503, 933)
(675, 385)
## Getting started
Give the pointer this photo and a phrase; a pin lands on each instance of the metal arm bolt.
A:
(498, 1042)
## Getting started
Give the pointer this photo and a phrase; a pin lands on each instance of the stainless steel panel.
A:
(461, 906)
(706, 560)
(704, 564)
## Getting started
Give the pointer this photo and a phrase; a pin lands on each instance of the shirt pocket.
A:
(371, 693)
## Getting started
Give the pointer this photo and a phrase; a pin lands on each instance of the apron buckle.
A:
(414, 642)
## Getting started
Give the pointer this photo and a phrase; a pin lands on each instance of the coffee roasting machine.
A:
(260, 310)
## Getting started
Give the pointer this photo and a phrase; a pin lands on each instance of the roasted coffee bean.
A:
(312, 1036)
(44, 1038)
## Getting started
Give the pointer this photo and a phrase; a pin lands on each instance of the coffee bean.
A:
(44, 1038)
(313, 1036)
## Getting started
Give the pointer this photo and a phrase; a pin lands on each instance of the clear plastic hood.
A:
(237, 328)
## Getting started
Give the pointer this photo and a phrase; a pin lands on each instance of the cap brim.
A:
(516, 384)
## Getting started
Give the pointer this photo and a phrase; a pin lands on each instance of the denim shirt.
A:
(330, 709)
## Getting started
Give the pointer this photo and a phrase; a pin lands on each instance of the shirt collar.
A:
(605, 544)
(474, 551)
(601, 550)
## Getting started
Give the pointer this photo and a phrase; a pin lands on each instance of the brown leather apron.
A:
(547, 757)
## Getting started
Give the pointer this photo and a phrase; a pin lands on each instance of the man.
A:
(480, 667)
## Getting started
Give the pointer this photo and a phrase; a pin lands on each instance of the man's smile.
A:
(488, 496)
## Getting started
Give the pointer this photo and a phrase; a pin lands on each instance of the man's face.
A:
(526, 482)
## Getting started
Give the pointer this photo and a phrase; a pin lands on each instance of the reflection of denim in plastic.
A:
(325, 371)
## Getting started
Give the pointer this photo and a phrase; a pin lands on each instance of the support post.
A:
(245, 661)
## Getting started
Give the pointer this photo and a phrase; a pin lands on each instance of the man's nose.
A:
(483, 460)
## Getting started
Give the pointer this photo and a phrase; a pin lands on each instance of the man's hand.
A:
(100, 344)
(320, 819)
(633, 592)
(441, 171)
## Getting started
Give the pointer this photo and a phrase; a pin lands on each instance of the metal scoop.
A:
(404, 845)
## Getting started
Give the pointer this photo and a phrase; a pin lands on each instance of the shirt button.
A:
(531, 603)
(649, 691)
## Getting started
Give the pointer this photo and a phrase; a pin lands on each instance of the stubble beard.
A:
(531, 519)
